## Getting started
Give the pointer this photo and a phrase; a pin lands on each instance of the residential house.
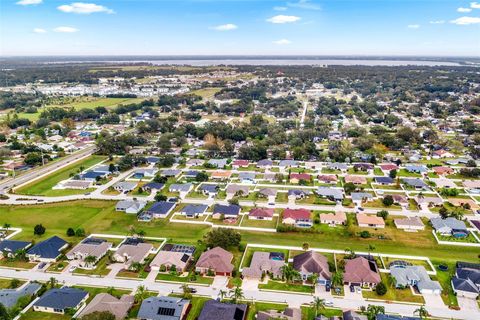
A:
(48, 250)
(338, 166)
(428, 202)
(268, 193)
(416, 183)
(384, 180)
(217, 261)
(237, 190)
(444, 183)
(414, 276)
(236, 164)
(170, 173)
(125, 186)
(153, 186)
(387, 167)
(217, 310)
(193, 210)
(74, 184)
(471, 184)
(132, 250)
(330, 193)
(195, 162)
(89, 247)
(287, 314)
(312, 262)
(104, 302)
(265, 163)
(218, 163)
(441, 170)
(92, 176)
(270, 177)
(261, 214)
(247, 177)
(400, 199)
(366, 167)
(361, 272)
(163, 308)
(221, 175)
(296, 178)
(182, 188)
(409, 223)
(10, 297)
(288, 163)
(168, 259)
(191, 174)
(447, 227)
(264, 263)
(360, 197)
(339, 218)
(60, 300)
(301, 218)
(228, 212)
(465, 203)
(210, 190)
(130, 206)
(415, 168)
(160, 209)
(441, 154)
(327, 178)
(355, 179)
(466, 282)
(370, 221)
(9, 248)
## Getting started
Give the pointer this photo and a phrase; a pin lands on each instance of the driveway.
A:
(352, 295)
(219, 282)
(468, 304)
(433, 300)
(114, 269)
(250, 284)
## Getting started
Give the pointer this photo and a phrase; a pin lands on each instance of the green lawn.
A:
(444, 277)
(32, 315)
(263, 306)
(100, 269)
(93, 291)
(43, 187)
(404, 295)
(259, 223)
(308, 312)
(6, 283)
(171, 277)
(16, 264)
(283, 286)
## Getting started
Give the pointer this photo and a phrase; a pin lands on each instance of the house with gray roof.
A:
(416, 183)
(416, 168)
(130, 206)
(218, 163)
(359, 197)
(414, 276)
(163, 308)
(247, 177)
(264, 263)
(265, 163)
(182, 188)
(125, 186)
(171, 172)
(287, 163)
(447, 226)
(338, 166)
(209, 189)
(9, 297)
(59, 300)
(193, 210)
(217, 310)
(330, 193)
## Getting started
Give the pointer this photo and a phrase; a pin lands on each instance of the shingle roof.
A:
(361, 270)
(13, 245)
(162, 308)
(222, 311)
(49, 249)
(9, 297)
(61, 298)
(232, 209)
(217, 259)
(161, 207)
(312, 262)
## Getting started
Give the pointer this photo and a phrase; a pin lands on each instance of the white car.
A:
(72, 268)
(328, 303)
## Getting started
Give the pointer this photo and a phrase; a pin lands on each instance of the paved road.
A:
(44, 170)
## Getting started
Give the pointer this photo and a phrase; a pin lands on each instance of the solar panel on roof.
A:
(162, 311)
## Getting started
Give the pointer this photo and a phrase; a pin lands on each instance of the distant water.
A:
(295, 62)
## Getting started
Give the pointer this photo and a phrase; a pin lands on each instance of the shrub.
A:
(381, 289)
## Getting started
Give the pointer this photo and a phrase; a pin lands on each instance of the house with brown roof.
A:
(471, 184)
(217, 260)
(298, 217)
(295, 178)
(168, 259)
(370, 221)
(441, 170)
(264, 263)
(104, 302)
(237, 190)
(400, 199)
(409, 224)
(387, 167)
(466, 203)
(132, 251)
(333, 219)
(312, 262)
(327, 178)
(261, 214)
(355, 179)
(240, 164)
(221, 175)
(442, 154)
(361, 272)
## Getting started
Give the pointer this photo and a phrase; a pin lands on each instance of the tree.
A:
(236, 294)
(318, 304)
(80, 232)
(388, 200)
(140, 294)
(4, 315)
(349, 187)
(305, 246)
(39, 230)
(383, 214)
(33, 158)
(160, 197)
(373, 311)
(289, 273)
(7, 226)
(90, 260)
(393, 173)
(381, 289)
(222, 294)
(187, 292)
(99, 315)
(70, 232)
(222, 237)
(15, 283)
(136, 266)
(52, 282)
(201, 177)
(422, 312)
(337, 278)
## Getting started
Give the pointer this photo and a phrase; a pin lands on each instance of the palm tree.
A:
(422, 312)
(223, 294)
(289, 273)
(111, 290)
(52, 282)
(140, 294)
(236, 294)
(90, 260)
(6, 226)
(373, 311)
(136, 266)
(186, 290)
(305, 246)
(318, 304)
(337, 278)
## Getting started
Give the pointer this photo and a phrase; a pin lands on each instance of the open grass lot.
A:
(444, 277)
(5, 283)
(393, 294)
(283, 286)
(43, 187)
(93, 291)
(206, 93)
(259, 223)
(308, 312)
(16, 264)
(32, 315)
(100, 217)
(254, 308)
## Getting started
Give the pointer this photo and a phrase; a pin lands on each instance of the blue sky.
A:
(205, 27)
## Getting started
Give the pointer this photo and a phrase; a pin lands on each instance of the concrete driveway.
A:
(250, 284)
(433, 300)
(114, 269)
(468, 304)
(219, 282)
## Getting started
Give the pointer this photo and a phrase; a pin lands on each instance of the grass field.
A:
(32, 315)
(283, 286)
(206, 93)
(393, 294)
(43, 187)
(97, 216)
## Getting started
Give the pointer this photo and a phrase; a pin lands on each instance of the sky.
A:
(240, 27)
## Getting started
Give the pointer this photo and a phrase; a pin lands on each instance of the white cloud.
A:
(39, 30)
(65, 29)
(29, 2)
(437, 22)
(225, 27)
(413, 26)
(84, 8)
(474, 5)
(283, 19)
(466, 20)
(278, 8)
(304, 4)
(464, 9)
(282, 42)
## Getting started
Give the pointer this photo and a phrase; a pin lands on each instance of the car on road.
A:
(41, 265)
(328, 303)
(72, 268)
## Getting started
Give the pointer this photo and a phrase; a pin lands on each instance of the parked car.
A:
(72, 268)
(41, 265)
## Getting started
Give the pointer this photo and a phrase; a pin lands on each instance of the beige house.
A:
(409, 224)
(370, 221)
(105, 302)
(131, 253)
(170, 258)
(339, 218)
